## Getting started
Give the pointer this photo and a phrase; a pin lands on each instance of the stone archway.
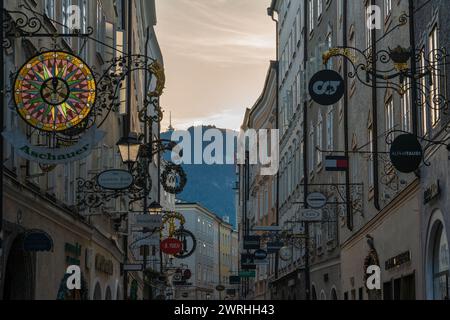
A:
(97, 292)
(108, 294)
(19, 273)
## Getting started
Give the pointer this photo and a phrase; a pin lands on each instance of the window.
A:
(330, 45)
(441, 285)
(49, 9)
(100, 27)
(302, 174)
(387, 8)
(389, 115)
(319, 9)
(66, 15)
(319, 236)
(311, 149)
(370, 138)
(319, 141)
(406, 107)
(311, 15)
(330, 138)
(434, 87)
(368, 30)
(424, 108)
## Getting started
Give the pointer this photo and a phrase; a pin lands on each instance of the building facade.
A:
(370, 204)
(261, 203)
(43, 198)
(432, 37)
(214, 259)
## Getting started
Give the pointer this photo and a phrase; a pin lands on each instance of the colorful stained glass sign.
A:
(54, 91)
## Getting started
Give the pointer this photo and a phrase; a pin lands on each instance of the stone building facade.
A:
(43, 198)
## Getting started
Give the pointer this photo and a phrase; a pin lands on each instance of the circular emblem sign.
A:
(326, 87)
(115, 179)
(171, 246)
(286, 253)
(54, 91)
(406, 153)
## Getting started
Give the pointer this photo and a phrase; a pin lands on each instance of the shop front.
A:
(390, 242)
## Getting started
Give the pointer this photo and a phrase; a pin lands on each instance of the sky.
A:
(216, 56)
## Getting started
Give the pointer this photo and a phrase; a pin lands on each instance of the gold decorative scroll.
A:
(333, 52)
(158, 70)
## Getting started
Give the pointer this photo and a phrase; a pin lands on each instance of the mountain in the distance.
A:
(209, 185)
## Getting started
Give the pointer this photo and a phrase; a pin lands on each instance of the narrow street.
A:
(195, 151)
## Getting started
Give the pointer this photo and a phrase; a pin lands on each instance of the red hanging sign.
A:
(171, 246)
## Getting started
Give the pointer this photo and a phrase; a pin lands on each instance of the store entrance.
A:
(19, 284)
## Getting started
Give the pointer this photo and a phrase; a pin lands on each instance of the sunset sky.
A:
(216, 55)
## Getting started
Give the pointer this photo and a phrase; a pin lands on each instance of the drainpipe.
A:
(346, 134)
(376, 186)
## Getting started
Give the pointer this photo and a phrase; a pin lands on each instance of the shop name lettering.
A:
(74, 279)
(49, 156)
(373, 281)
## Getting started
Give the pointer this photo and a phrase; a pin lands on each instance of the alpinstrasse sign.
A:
(45, 155)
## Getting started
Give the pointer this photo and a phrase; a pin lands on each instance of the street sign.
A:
(310, 215)
(260, 254)
(150, 221)
(316, 200)
(115, 179)
(247, 274)
(177, 277)
(336, 163)
(247, 261)
(171, 246)
(235, 280)
(187, 274)
(326, 87)
(146, 241)
(220, 288)
(252, 242)
(273, 247)
(267, 228)
(406, 153)
(133, 267)
(261, 262)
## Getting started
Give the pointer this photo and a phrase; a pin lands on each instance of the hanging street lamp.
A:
(129, 149)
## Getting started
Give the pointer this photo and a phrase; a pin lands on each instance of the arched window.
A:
(333, 294)
(313, 293)
(108, 295)
(97, 292)
(441, 286)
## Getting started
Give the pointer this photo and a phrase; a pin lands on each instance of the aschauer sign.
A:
(45, 155)
(406, 153)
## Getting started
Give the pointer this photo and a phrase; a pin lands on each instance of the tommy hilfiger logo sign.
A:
(336, 163)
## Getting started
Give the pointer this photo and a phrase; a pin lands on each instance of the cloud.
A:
(212, 48)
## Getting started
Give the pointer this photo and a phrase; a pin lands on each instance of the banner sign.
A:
(45, 155)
